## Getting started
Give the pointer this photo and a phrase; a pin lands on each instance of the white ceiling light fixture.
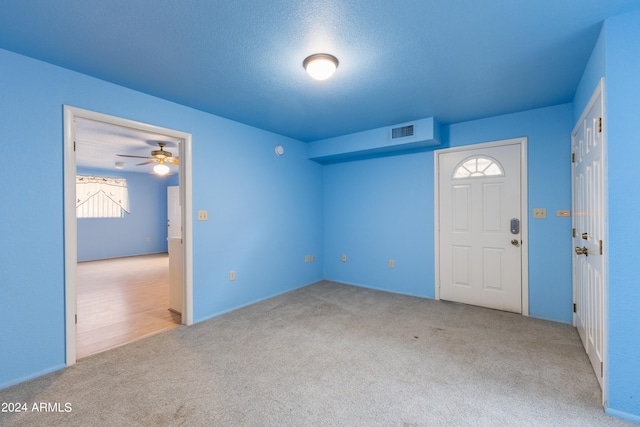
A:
(161, 168)
(320, 66)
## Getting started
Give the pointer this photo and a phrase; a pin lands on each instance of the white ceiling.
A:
(98, 143)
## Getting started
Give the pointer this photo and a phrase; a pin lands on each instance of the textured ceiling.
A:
(455, 60)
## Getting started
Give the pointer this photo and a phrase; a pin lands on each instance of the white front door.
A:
(589, 230)
(480, 220)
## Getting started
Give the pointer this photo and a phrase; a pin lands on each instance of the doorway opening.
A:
(72, 116)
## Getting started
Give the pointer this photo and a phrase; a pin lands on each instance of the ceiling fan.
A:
(157, 156)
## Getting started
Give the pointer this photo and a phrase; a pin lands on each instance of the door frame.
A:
(524, 220)
(70, 223)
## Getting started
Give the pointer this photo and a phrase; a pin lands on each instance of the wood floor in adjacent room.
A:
(122, 300)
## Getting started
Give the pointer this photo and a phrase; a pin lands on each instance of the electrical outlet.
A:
(307, 258)
(232, 275)
(203, 215)
(539, 213)
(344, 258)
(392, 263)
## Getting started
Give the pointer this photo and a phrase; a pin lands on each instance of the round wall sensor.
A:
(279, 150)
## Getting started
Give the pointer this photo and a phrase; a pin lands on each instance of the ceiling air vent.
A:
(402, 132)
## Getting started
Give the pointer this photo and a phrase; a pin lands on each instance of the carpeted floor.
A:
(327, 355)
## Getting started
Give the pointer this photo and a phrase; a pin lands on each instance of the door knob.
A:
(515, 242)
(582, 251)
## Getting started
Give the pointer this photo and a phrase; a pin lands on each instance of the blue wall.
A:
(377, 210)
(381, 209)
(621, 67)
(616, 57)
(100, 238)
(265, 211)
(595, 69)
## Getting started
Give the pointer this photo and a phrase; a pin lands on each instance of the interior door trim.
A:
(70, 227)
(524, 209)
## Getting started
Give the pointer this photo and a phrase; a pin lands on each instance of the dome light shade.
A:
(320, 66)
(161, 168)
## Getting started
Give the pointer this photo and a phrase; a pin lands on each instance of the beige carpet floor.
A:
(332, 355)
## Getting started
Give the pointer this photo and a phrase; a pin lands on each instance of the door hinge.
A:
(573, 157)
(76, 319)
(575, 308)
(573, 234)
(599, 124)
(602, 369)
(74, 146)
(601, 250)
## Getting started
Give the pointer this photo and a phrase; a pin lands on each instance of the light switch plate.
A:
(539, 213)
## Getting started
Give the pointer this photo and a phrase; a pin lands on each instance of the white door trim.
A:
(524, 222)
(70, 226)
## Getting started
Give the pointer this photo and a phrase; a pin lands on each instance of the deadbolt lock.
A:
(585, 236)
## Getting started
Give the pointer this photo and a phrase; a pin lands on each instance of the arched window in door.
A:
(478, 167)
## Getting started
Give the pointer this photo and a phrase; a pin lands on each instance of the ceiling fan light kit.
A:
(157, 156)
(161, 168)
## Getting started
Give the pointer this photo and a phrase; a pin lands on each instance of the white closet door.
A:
(589, 216)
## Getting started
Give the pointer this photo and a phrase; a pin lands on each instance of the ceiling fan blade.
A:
(173, 160)
(137, 157)
(147, 162)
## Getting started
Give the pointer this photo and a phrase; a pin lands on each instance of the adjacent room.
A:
(328, 212)
(128, 235)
